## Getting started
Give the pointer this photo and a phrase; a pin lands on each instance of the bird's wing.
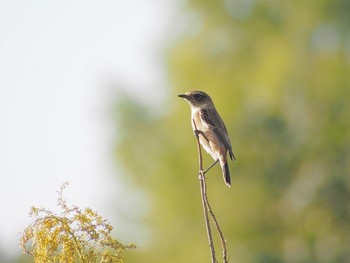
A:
(212, 120)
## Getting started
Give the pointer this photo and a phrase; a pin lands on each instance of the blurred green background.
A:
(279, 75)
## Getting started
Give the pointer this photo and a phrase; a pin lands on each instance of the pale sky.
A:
(56, 59)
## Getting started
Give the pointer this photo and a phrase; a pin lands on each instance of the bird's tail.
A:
(226, 174)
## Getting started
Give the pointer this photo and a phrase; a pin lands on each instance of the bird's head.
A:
(197, 98)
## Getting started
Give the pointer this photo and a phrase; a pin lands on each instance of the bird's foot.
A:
(198, 132)
(201, 175)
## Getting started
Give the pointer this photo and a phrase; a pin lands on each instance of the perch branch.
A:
(206, 205)
(217, 226)
(203, 194)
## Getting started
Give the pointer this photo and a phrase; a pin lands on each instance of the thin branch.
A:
(222, 239)
(205, 202)
(204, 198)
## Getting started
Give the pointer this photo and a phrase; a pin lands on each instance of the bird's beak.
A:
(183, 96)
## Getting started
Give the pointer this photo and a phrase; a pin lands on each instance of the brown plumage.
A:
(216, 141)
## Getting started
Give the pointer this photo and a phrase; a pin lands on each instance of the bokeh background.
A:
(88, 96)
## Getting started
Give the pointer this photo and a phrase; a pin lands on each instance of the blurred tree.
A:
(278, 72)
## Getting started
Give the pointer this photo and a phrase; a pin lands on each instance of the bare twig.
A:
(204, 199)
(206, 205)
(222, 239)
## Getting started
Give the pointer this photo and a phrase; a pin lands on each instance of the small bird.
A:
(214, 137)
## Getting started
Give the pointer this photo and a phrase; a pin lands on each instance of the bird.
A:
(207, 122)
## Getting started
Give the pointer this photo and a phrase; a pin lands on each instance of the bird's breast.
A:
(211, 142)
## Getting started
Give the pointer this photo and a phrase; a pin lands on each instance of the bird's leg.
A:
(198, 132)
(211, 166)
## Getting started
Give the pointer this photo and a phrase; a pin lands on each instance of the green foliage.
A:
(74, 235)
(278, 72)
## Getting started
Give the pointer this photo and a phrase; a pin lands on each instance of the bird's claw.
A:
(198, 132)
(201, 175)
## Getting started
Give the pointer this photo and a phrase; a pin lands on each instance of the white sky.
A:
(54, 126)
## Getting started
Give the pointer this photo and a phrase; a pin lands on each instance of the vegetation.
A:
(74, 235)
(278, 72)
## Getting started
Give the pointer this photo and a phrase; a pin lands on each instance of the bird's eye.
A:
(198, 96)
